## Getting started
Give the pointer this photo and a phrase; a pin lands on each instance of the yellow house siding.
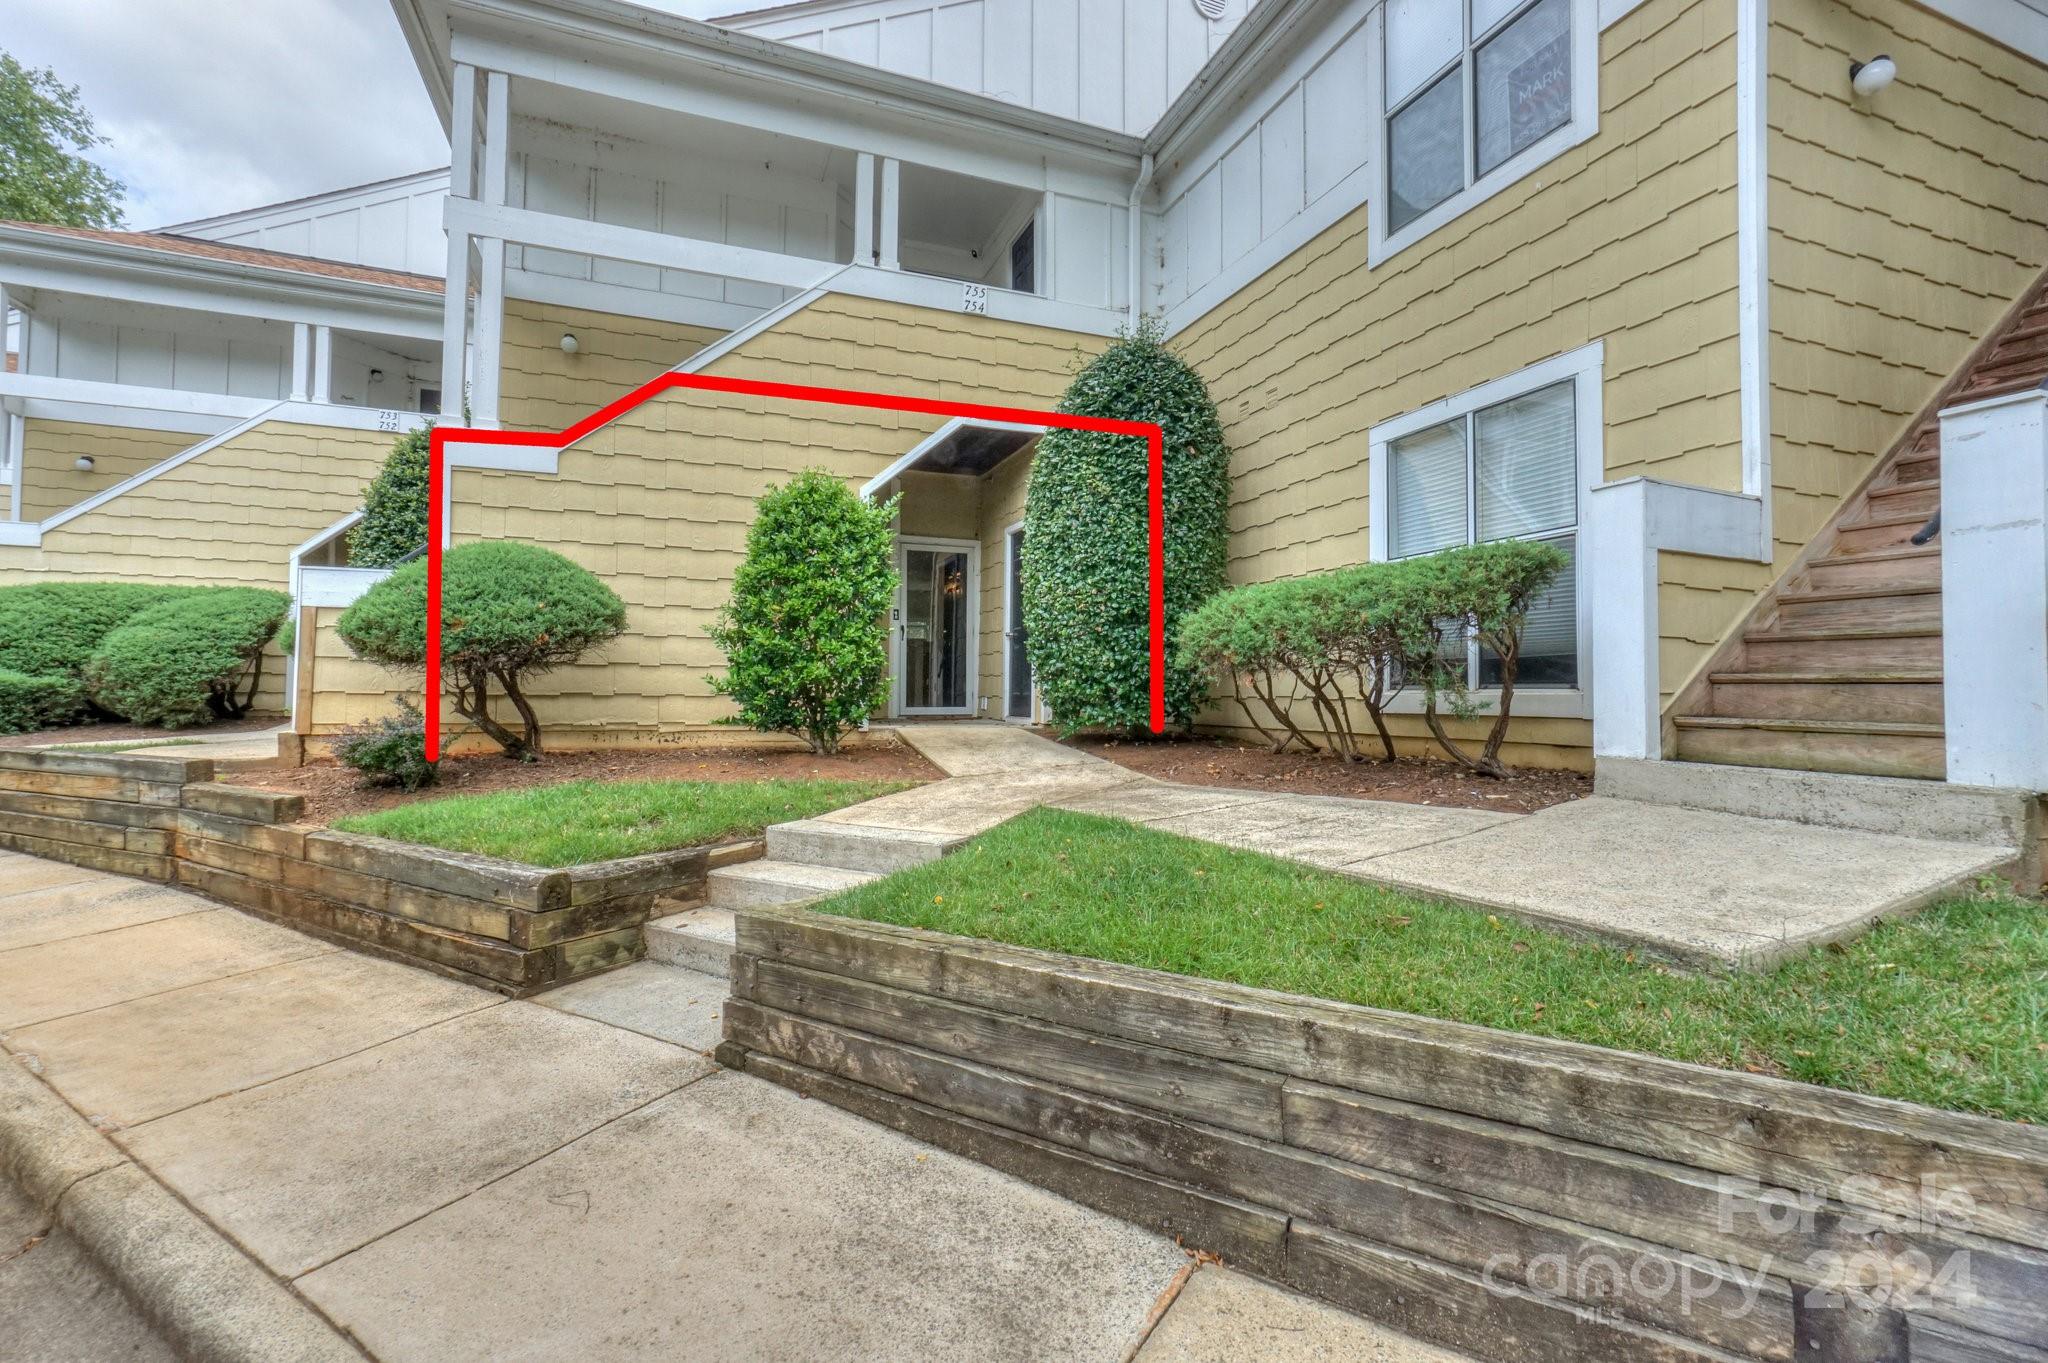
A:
(658, 503)
(1902, 228)
(1002, 506)
(345, 689)
(50, 479)
(1628, 237)
(542, 388)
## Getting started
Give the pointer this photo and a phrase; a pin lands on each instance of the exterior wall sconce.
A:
(568, 343)
(1867, 78)
(83, 463)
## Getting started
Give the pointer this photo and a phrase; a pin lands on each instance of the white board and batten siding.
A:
(106, 342)
(390, 225)
(1113, 63)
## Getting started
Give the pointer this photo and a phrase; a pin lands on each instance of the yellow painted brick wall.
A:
(541, 388)
(1628, 237)
(230, 517)
(659, 502)
(50, 480)
(1902, 228)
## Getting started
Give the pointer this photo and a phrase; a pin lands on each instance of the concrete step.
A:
(778, 882)
(856, 847)
(1871, 804)
(1908, 567)
(1885, 697)
(1865, 748)
(1847, 649)
(1866, 606)
(695, 939)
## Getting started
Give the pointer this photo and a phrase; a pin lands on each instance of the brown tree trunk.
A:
(530, 740)
(473, 703)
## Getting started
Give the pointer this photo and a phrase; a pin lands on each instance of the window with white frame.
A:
(1468, 85)
(1506, 461)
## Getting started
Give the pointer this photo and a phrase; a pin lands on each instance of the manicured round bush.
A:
(1490, 588)
(50, 629)
(804, 634)
(394, 522)
(1087, 603)
(509, 612)
(390, 750)
(31, 703)
(187, 660)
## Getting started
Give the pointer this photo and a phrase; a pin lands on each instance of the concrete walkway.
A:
(445, 1175)
(1698, 886)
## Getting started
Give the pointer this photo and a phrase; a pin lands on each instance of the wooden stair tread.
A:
(1882, 728)
(1885, 555)
(1906, 489)
(1823, 633)
(1883, 522)
(1825, 678)
(1862, 593)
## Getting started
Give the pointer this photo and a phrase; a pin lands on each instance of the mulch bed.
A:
(333, 791)
(1225, 762)
(139, 733)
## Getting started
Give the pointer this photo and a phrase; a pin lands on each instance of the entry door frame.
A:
(899, 626)
(1013, 536)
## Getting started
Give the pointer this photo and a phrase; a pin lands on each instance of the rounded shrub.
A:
(50, 629)
(390, 750)
(30, 703)
(1087, 602)
(187, 660)
(394, 522)
(804, 635)
(1487, 589)
(509, 612)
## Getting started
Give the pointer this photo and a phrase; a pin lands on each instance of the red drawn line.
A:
(1153, 435)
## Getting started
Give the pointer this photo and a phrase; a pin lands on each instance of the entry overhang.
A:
(966, 447)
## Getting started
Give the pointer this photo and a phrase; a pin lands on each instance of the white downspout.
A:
(1137, 234)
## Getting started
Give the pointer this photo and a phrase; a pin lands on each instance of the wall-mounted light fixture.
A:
(568, 343)
(83, 463)
(1867, 78)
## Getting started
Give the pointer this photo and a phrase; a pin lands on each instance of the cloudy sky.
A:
(214, 106)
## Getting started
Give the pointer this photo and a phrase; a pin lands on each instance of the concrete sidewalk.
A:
(1702, 887)
(445, 1175)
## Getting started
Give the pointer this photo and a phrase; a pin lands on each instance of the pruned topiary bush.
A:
(1360, 635)
(804, 635)
(509, 613)
(192, 659)
(50, 629)
(1087, 593)
(30, 703)
(394, 523)
(390, 750)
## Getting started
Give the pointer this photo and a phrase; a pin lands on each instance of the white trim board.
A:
(1585, 367)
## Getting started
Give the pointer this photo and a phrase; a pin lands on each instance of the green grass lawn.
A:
(581, 821)
(1946, 1008)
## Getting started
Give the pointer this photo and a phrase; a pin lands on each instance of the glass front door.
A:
(935, 630)
(1016, 661)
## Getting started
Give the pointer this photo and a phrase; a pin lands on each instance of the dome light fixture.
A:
(83, 463)
(568, 343)
(1867, 78)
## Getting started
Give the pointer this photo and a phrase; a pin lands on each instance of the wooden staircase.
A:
(1838, 668)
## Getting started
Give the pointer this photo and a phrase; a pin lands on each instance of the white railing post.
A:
(302, 361)
(323, 364)
(892, 213)
(1994, 591)
(864, 208)
(1623, 563)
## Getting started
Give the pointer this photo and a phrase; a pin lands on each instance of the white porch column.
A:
(8, 444)
(1994, 597)
(1628, 523)
(455, 299)
(323, 364)
(302, 360)
(864, 208)
(892, 213)
(490, 302)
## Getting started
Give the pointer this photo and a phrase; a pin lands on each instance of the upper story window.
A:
(1473, 95)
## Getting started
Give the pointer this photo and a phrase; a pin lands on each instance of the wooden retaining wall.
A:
(508, 927)
(1512, 1196)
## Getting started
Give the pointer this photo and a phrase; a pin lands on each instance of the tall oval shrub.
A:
(509, 612)
(394, 522)
(1087, 603)
(805, 634)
